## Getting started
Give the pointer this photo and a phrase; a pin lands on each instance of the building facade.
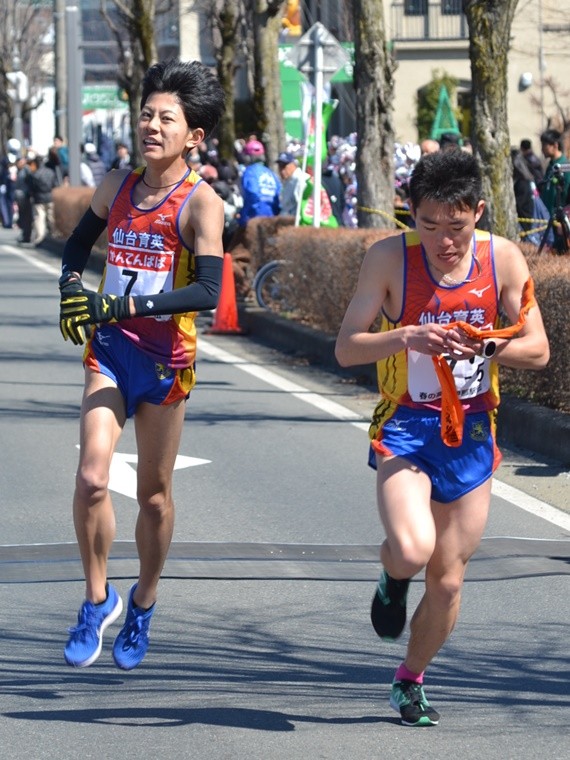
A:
(432, 35)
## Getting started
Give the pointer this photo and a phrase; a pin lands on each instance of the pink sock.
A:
(403, 674)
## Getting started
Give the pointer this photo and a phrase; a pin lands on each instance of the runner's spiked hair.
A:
(448, 176)
(195, 86)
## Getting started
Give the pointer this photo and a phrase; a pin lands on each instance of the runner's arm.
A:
(529, 349)
(378, 283)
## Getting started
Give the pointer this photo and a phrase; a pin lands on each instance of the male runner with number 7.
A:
(164, 263)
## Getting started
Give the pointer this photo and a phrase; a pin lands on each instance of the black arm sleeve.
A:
(78, 246)
(199, 296)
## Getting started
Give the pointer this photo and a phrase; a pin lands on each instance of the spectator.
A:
(224, 190)
(551, 143)
(532, 161)
(523, 184)
(63, 153)
(94, 162)
(53, 161)
(208, 173)
(429, 146)
(122, 158)
(294, 180)
(449, 141)
(335, 190)
(85, 173)
(42, 181)
(23, 200)
(260, 186)
(8, 173)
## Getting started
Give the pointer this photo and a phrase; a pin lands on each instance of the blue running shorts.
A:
(137, 375)
(416, 436)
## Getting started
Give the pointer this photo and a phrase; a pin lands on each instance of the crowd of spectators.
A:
(246, 184)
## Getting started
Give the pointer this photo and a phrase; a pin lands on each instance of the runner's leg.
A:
(459, 526)
(158, 430)
(102, 420)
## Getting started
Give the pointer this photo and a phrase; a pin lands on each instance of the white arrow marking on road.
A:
(123, 477)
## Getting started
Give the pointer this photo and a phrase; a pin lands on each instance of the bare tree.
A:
(374, 85)
(132, 23)
(560, 119)
(226, 20)
(24, 27)
(489, 41)
(267, 103)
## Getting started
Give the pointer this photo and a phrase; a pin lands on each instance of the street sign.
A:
(318, 55)
(302, 55)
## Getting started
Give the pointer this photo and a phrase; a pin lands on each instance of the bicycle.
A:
(269, 288)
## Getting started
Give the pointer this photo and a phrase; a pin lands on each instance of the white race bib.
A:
(471, 377)
(139, 273)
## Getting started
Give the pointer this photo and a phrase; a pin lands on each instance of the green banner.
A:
(101, 96)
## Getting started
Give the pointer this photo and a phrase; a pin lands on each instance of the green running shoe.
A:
(409, 699)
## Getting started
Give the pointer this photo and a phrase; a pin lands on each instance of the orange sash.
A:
(452, 412)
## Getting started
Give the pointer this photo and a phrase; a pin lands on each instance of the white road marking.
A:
(500, 489)
(123, 477)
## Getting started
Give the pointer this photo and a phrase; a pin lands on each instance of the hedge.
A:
(322, 273)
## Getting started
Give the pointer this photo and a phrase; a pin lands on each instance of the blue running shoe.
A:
(132, 642)
(86, 639)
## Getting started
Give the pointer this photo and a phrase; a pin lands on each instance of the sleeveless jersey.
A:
(408, 378)
(146, 255)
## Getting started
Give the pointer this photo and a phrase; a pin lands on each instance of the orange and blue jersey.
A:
(146, 254)
(408, 378)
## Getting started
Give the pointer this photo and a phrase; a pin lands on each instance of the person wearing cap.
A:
(259, 185)
(294, 180)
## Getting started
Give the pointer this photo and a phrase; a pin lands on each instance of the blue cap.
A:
(286, 158)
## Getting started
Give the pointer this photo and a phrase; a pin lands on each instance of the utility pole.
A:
(60, 70)
(541, 64)
(74, 82)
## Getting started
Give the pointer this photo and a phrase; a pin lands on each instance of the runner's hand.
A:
(81, 308)
(69, 286)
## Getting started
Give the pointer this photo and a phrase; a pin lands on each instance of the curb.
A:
(519, 423)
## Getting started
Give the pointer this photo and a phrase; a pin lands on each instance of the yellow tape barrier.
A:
(543, 223)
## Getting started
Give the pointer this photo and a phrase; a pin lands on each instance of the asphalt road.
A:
(261, 645)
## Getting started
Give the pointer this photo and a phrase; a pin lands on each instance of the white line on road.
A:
(500, 489)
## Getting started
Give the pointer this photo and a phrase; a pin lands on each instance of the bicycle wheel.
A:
(267, 286)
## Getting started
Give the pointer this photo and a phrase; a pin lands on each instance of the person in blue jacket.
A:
(259, 185)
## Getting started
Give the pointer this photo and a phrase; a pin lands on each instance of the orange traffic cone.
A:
(226, 314)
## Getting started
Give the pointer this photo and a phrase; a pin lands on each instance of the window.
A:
(415, 7)
(451, 7)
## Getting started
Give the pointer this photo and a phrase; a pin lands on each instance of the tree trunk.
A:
(489, 41)
(229, 20)
(374, 85)
(267, 101)
(137, 22)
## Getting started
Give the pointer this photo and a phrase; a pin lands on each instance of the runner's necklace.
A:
(160, 187)
(449, 280)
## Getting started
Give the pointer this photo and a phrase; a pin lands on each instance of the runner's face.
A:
(162, 128)
(446, 232)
